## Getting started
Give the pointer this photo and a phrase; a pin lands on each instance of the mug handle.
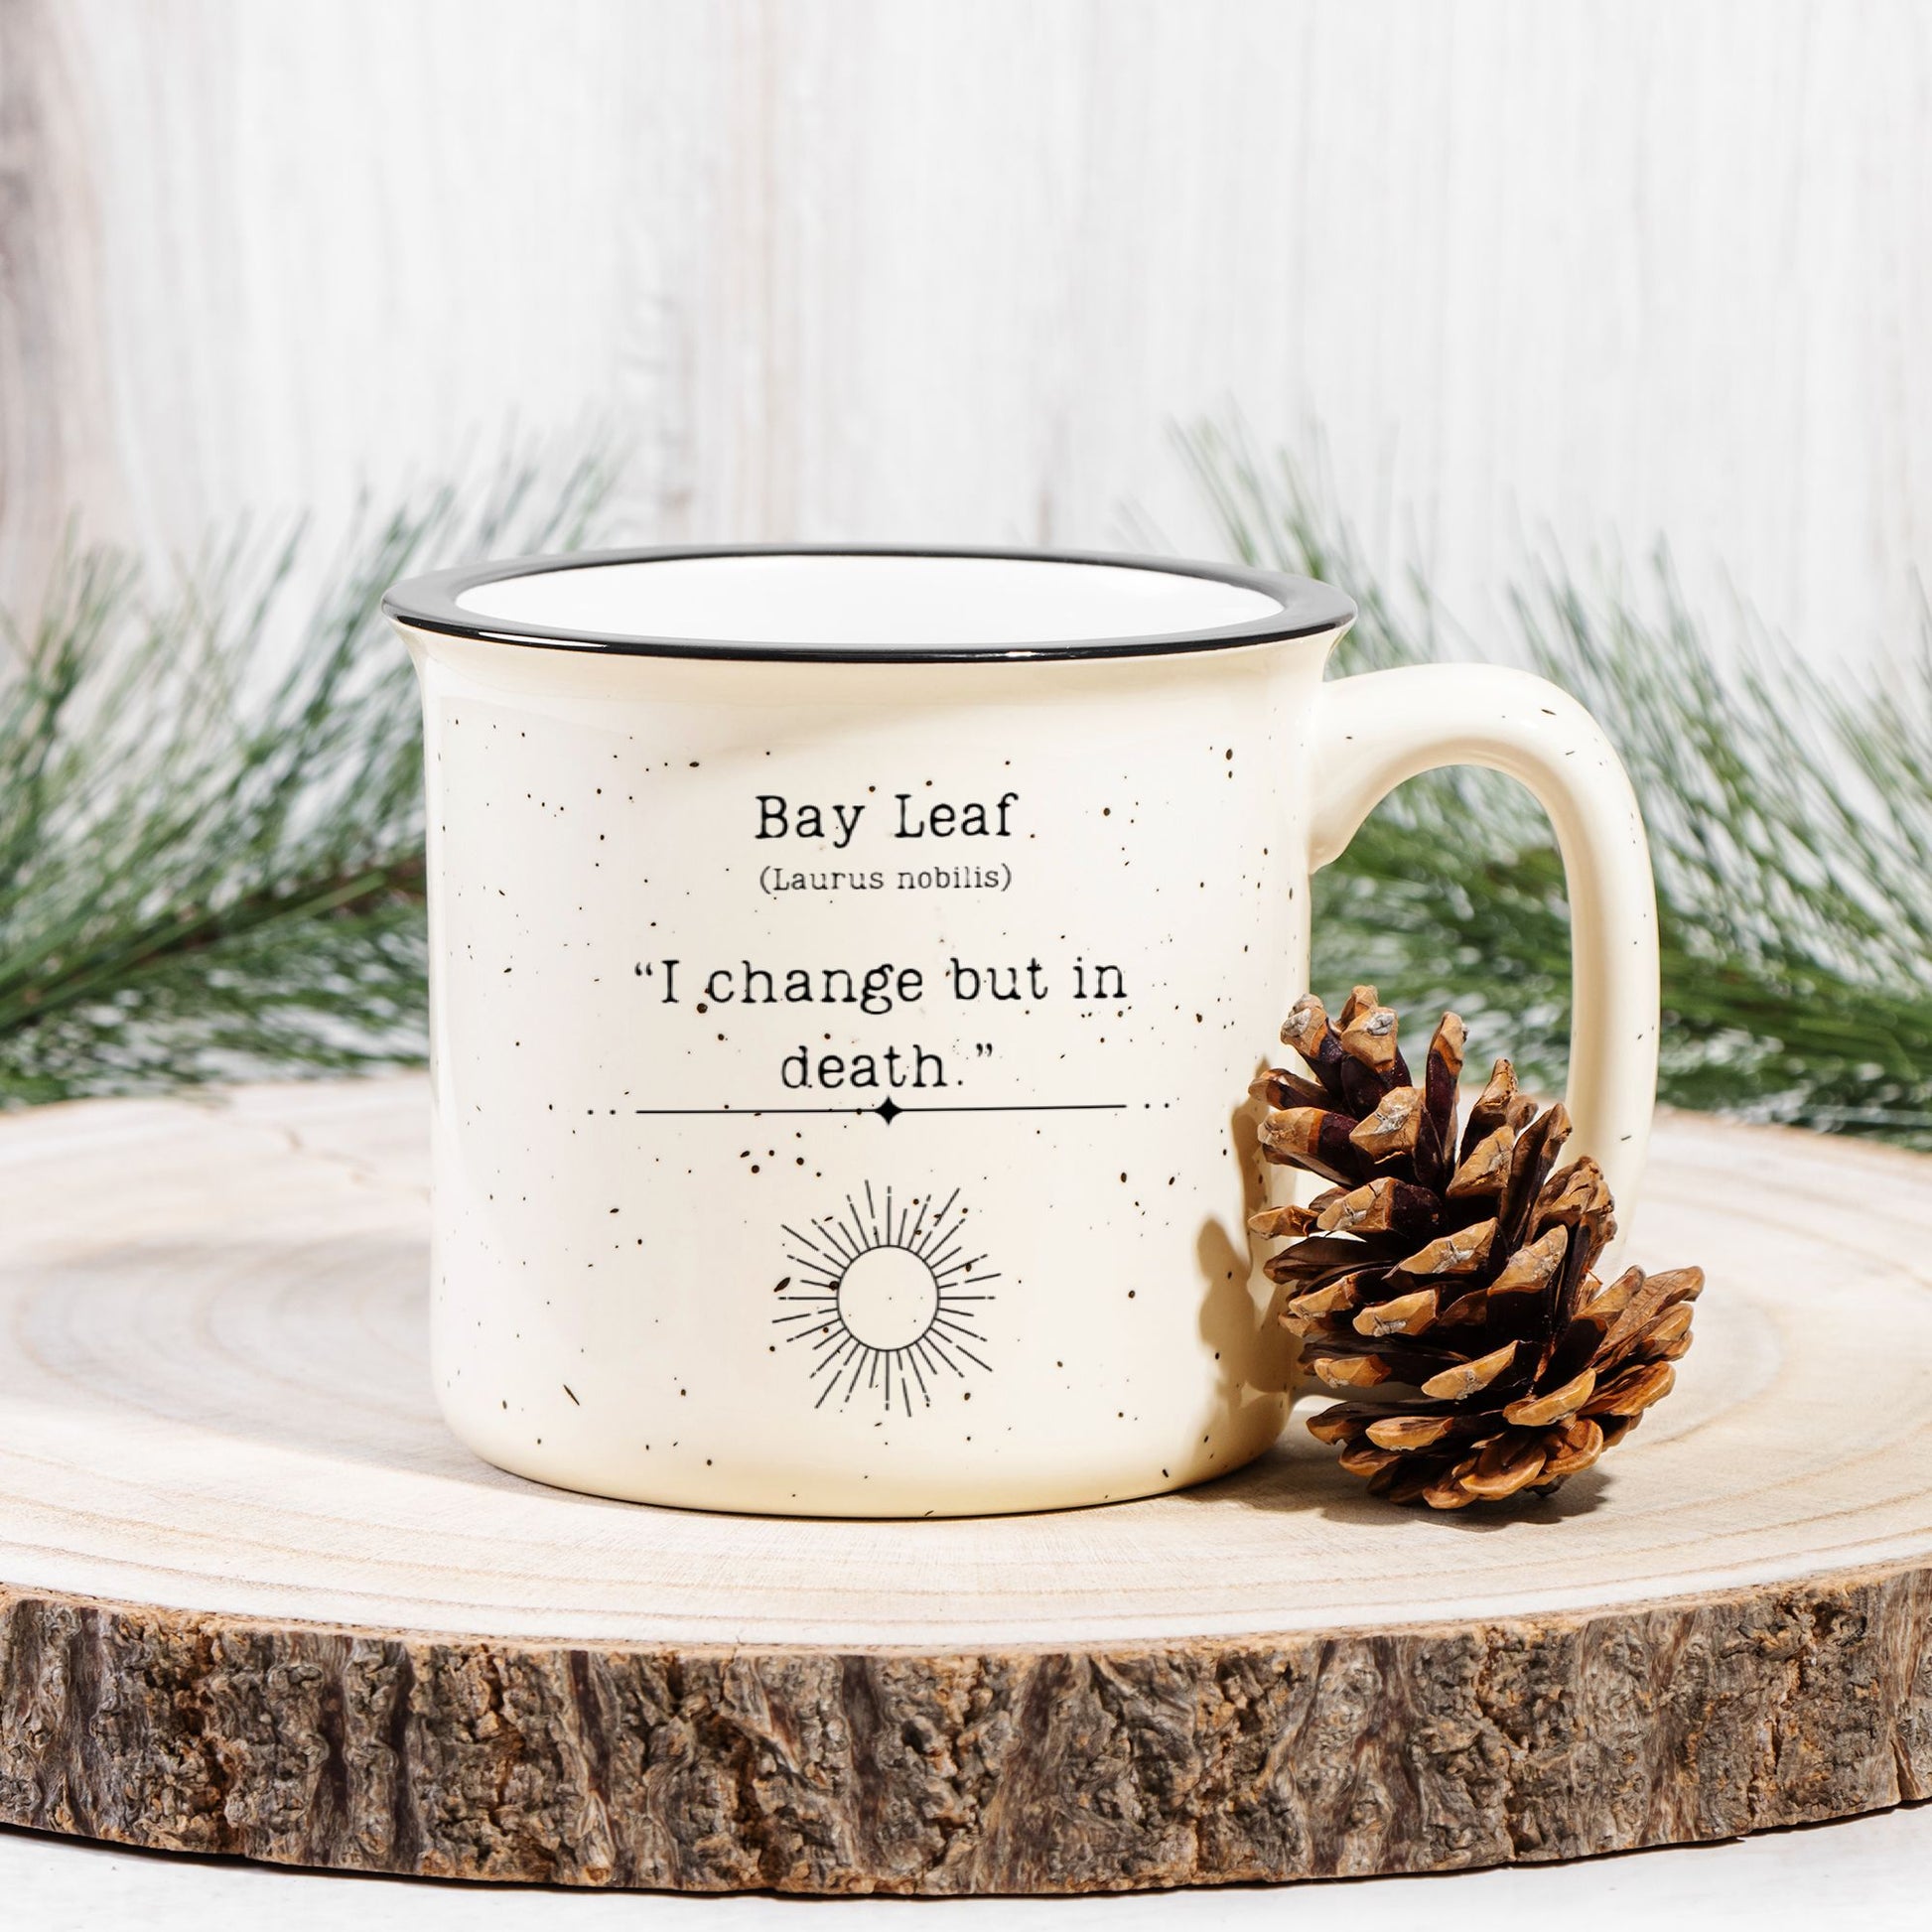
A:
(1375, 730)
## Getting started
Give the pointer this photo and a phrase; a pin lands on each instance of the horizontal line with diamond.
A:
(889, 1110)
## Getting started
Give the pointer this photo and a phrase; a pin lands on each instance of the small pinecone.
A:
(1455, 1272)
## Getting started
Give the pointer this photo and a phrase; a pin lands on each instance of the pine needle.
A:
(207, 873)
(1790, 821)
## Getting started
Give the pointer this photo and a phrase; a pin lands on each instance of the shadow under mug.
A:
(847, 970)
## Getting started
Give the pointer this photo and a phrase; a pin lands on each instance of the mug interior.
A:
(864, 602)
(867, 604)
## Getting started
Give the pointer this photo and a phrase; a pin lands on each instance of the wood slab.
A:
(255, 1599)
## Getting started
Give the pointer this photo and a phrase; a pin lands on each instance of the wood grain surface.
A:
(253, 1598)
(851, 268)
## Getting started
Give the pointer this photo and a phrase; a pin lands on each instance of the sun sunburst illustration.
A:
(888, 1299)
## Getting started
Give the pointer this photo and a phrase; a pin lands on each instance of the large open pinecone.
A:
(1457, 1274)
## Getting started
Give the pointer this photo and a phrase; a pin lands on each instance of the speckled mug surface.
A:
(848, 971)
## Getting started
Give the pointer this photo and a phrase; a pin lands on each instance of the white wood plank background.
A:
(1587, 271)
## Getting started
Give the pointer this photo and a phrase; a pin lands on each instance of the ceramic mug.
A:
(848, 968)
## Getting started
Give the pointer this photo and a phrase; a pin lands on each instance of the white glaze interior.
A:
(869, 600)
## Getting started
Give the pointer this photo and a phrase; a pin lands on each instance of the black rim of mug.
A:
(1307, 607)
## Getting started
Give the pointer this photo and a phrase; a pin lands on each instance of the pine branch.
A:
(205, 875)
(207, 872)
(1790, 823)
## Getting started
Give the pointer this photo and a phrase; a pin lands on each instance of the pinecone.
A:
(1457, 1272)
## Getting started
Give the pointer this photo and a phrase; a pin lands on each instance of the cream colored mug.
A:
(847, 972)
